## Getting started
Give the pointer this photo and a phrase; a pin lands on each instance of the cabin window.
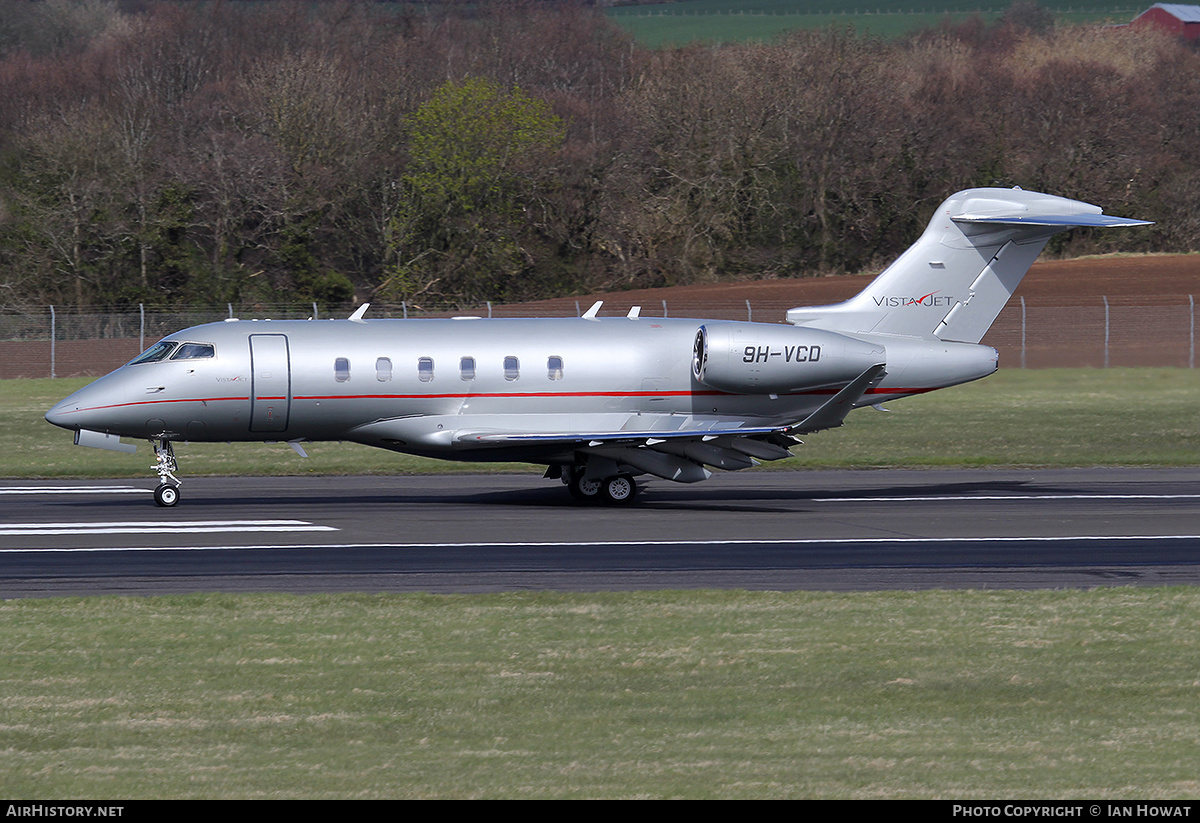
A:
(157, 352)
(425, 369)
(512, 368)
(466, 368)
(341, 369)
(193, 351)
(383, 369)
(554, 367)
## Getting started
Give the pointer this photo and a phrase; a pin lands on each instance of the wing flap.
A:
(648, 437)
(679, 455)
(714, 443)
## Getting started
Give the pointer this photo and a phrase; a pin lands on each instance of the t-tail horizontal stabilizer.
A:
(833, 413)
(953, 282)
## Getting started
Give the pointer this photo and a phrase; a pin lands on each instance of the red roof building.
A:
(1173, 17)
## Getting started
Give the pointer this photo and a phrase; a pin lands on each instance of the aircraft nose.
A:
(78, 409)
(60, 413)
(98, 406)
(57, 415)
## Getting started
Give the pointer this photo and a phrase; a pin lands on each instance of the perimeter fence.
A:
(1098, 332)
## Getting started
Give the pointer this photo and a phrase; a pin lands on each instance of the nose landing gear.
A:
(167, 493)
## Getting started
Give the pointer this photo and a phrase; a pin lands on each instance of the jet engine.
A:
(759, 358)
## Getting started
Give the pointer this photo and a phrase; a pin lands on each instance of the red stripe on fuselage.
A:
(486, 395)
(153, 402)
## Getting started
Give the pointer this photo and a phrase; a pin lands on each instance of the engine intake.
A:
(758, 358)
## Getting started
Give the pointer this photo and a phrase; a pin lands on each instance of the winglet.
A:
(591, 313)
(357, 317)
(834, 411)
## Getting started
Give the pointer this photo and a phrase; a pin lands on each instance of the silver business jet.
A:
(598, 400)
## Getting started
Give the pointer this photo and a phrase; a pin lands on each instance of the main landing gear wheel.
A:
(584, 489)
(620, 490)
(166, 495)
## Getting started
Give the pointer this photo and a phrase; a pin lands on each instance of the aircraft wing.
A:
(830, 415)
(682, 453)
(679, 454)
(672, 446)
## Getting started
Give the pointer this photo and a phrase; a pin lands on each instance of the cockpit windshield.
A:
(193, 351)
(174, 350)
(158, 351)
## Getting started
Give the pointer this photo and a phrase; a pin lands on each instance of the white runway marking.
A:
(810, 541)
(72, 490)
(177, 527)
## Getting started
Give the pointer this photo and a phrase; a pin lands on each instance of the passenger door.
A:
(270, 383)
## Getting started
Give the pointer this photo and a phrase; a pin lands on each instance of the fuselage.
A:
(597, 400)
(409, 385)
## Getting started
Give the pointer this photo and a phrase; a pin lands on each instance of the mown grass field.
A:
(722, 21)
(1050, 417)
(1027, 695)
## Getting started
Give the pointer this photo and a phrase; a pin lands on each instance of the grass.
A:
(728, 21)
(1018, 418)
(622, 695)
(1051, 417)
(678, 30)
(853, 7)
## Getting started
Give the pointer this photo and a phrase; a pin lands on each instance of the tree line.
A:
(228, 152)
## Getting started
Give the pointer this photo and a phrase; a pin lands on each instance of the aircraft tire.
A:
(620, 490)
(166, 495)
(584, 490)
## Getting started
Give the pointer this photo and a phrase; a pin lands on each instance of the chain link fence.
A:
(1098, 332)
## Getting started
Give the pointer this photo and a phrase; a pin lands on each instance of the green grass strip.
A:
(679, 24)
(1015, 418)
(976, 694)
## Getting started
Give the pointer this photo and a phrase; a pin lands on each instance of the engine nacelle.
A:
(759, 358)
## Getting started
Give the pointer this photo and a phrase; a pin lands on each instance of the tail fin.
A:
(953, 282)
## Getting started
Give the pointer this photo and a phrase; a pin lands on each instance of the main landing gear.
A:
(620, 489)
(167, 493)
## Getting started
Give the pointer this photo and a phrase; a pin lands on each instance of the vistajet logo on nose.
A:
(930, 299)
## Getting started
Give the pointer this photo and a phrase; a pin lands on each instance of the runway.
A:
(824, 530)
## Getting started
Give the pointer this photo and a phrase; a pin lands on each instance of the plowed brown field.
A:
(1089, 312)
(1148, 319)
(1065, 282)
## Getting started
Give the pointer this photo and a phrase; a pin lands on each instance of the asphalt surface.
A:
(839, 530)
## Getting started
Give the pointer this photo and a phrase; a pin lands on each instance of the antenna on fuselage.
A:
(357, 317)
(591, 313)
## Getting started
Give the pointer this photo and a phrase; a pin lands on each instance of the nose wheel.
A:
(167, 493)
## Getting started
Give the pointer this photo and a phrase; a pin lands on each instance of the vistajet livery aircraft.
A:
(599, 400)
